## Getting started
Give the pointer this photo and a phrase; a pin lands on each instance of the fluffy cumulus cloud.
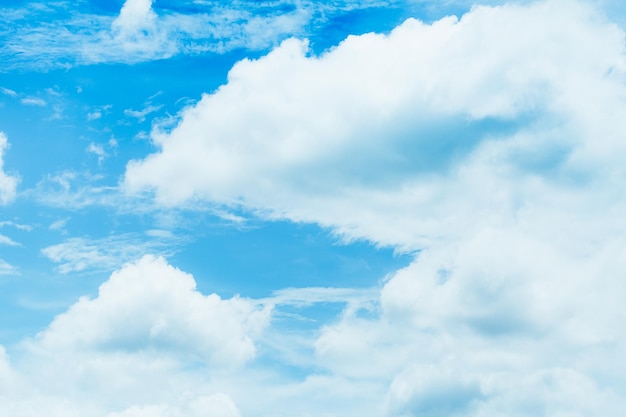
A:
(151, 305)
(481, 111)
(8, 183)
(149, 344)
(492, 146)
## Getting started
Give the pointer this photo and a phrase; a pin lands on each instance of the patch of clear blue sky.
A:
(92, 104)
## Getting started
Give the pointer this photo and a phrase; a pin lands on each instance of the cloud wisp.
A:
(108, 253)
(8, 182)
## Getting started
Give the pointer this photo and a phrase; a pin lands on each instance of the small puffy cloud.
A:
(97, 112)
(98, 150)
(135, 16)
(137, 31)
(94, 115)
(8, 183)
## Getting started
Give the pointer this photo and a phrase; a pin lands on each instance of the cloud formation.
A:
(149, 344)
(492, 147)
(152, 305)
(476, 111)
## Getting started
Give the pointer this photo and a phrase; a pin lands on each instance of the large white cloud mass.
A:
(446, 126)
(493, 145)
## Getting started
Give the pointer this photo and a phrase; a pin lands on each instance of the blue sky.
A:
(296, 208)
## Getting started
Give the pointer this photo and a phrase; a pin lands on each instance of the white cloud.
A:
(71, 189)
(19, 226)
(8, 92)
(493, 145)
(135, 16)
(33, 101)
(94, 115)
(5, 240)
(311, 138)
(355, 299)
(59, 224)
(139, 33)
(151, 305)
(8, 183)
(97, 150)
(141, 114)
(106, 254)
(149, 344)
(7, 269)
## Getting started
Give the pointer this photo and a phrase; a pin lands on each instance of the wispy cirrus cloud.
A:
(144, 30)
(139, 33)
(74, 190)
(141, 114)
(19, 226)
(79, 254)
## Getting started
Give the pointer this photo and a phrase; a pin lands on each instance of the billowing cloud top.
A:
(444, 125)
(147, 331)
(151, 305)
